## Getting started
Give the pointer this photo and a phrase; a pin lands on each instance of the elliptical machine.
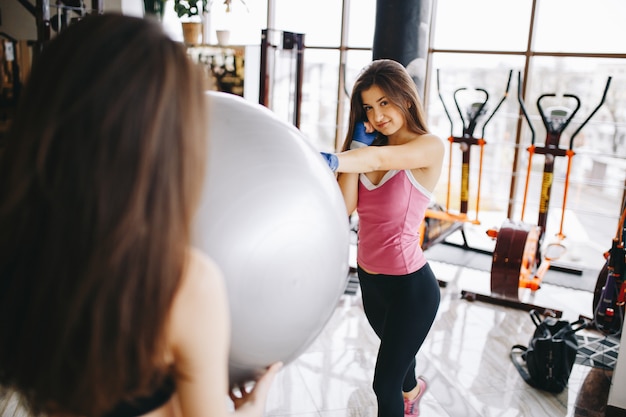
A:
(517, 258)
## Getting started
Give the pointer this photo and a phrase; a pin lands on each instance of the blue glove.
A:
(331, 159)
(360, 137)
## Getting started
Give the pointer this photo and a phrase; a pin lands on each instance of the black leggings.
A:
(401, 309)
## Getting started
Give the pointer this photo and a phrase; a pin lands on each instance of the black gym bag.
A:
(550, 354)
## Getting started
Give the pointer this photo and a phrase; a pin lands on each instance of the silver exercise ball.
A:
(274, 220)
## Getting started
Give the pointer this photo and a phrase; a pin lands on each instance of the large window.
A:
(482, 24)
(574, 26)
(554, 47)
(338, 39)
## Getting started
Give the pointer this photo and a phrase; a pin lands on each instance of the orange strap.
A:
(531, 152)
(481, 142)
(451, 140)
(620, 227)
(570, 153)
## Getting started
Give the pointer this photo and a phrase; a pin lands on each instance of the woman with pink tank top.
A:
(389, 183)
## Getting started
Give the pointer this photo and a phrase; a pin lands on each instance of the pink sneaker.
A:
(411, 407)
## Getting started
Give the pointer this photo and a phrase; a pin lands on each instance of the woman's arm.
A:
(421, 152)
(349, 185)
(200, 335)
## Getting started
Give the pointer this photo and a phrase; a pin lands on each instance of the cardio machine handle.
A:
(445, 109)
(563, 125)
(477, 113)
(506, 94)
(606, 89)
(471, 122)
(523, 107)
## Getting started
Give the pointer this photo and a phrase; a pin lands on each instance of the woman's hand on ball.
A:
(251, 401)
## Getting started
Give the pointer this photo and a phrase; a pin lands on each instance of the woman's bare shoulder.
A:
(430, 143)
(202, 286)
(200, 335)
(201, 266)
(427, 142)
(431, 138)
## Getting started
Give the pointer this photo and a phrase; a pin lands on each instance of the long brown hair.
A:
(394, 80)
(98, 185)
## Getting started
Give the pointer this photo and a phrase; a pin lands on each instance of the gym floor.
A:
(465, 359)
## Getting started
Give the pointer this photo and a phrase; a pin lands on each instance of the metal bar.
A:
(506, 302)
(299, 38)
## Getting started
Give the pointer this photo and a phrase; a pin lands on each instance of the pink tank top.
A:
(390, 214)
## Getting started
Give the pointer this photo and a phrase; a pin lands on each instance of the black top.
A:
(144, 405)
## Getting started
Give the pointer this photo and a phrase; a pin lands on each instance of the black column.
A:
(401, 33)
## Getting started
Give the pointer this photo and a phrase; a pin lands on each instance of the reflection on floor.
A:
(465, 358)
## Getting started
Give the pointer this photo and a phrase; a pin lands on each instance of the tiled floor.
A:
(465, 358)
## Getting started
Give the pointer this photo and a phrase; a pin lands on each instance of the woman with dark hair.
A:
(105, 308)
(390, 184)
